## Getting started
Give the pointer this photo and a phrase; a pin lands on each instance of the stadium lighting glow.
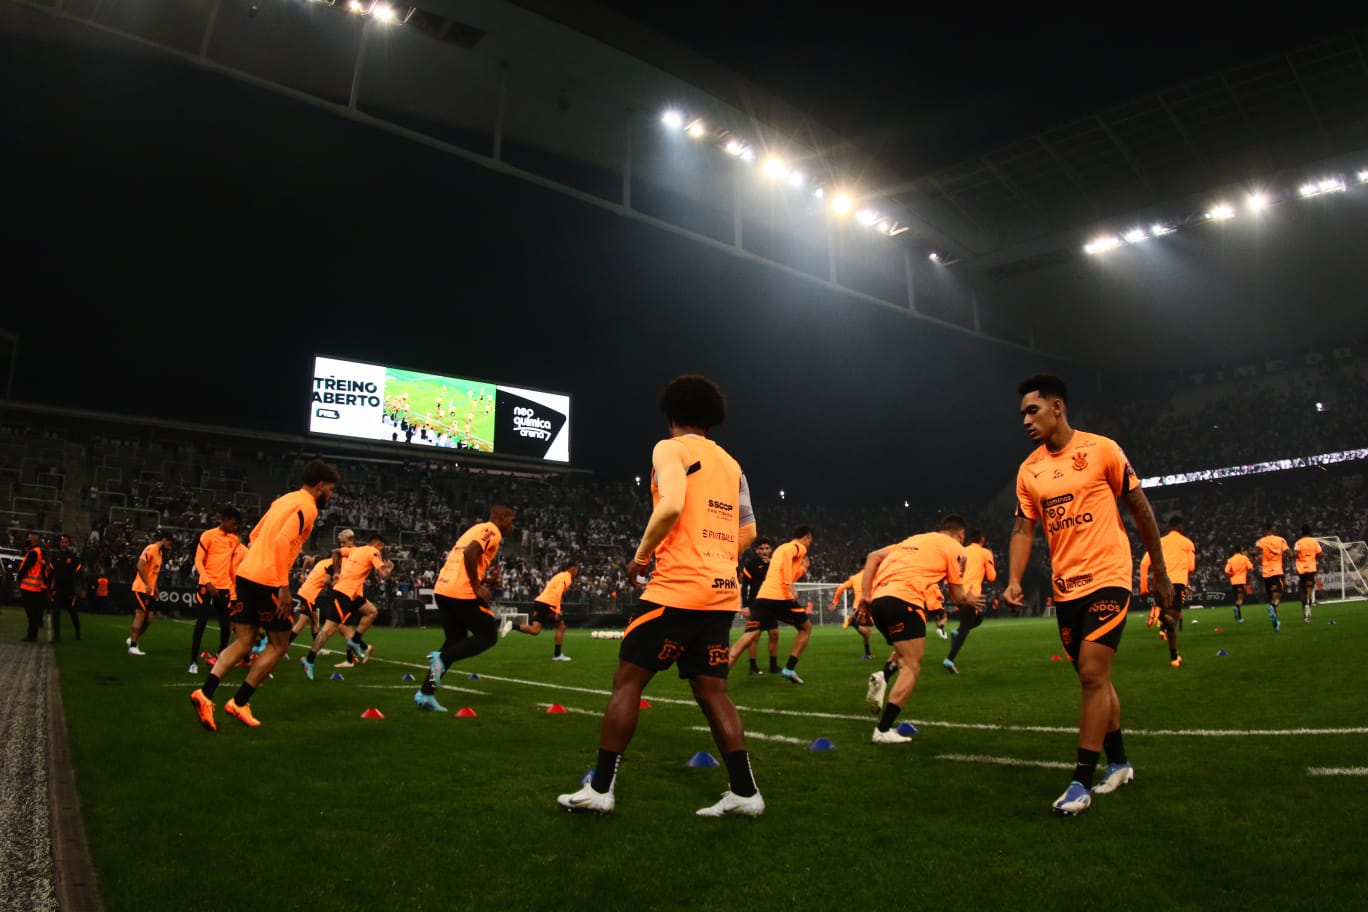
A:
(1363, 176)
(934, 257)
(898, 229)
(747, 154)
(842, 204)
(1221, 211)
(867, 217)
(356, 6)
(1135, 236)
(885, 225)
(697, 129)
(1158, 229)
(819, 193)
(1102, 244)
(1322, 186)
(1258, 202)
(775, 168)
(384, 12)
(1257, 468)
(734, 147)
(672, 119)
(797, 178)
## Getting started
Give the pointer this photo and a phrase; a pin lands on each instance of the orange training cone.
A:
(465, 712)
(372, 713)
(555, 709)
(645, 703)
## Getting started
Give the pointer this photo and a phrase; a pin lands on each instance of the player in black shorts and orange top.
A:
(263, 585)
(546, 610)
(701, 521)
(1306, 550)
(463, 601)
(978, 566)
(860, 621)
(1070, 484)
(1237, 569)
(755, 565)
(144, 590)
(214, 570)
(1272, 547)
(897, 582)
(777, 601)
(349, 605)
(1180, 556)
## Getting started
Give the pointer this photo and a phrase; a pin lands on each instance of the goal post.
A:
(816, 596)
(1340, 570)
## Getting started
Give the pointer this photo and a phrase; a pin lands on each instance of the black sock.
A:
(890, 668)
(867, 652)
(1116, 751)
(605, 771)
(558, 649)
(890, 715)
(211, 684)
(1086, 768)
(739, 772)
(293, 636)
(792, 663)
(774, 664)
(313, 654)
(359, 643)
(429, 684)
(244, 694)
(754, 667)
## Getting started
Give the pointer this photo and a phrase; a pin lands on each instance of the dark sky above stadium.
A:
(195, 242)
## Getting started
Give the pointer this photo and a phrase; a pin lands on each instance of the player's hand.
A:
(1153, 616)
(636, 571)
(1163, 592)
(211, 589)
(482, 592)
(284, 602)
(974, 601)
(1013, 596)
(861, 616)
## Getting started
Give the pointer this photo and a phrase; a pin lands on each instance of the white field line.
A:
(1003, 761)
(1337, 770)
(758, 736)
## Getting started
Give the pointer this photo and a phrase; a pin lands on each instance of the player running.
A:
(1271, 548)
(978, 566)
(1307, 549)
(1237, 569)
(547, 610)
(349, 600)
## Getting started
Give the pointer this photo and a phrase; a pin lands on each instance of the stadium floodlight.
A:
(781, 493)
(819, 193)
(776, 168)
(1220, 212)
(1322, 186)
(1102, 244)
(356, 6)
(797, 178)
(1159, 229)
(867, 217)
(898, 229)
(885, 225)
(697, 128)
(747, 154)
(1258, 201)
(1363, 176)
(842, 204)
(672, 119)
(383, 12)
(734, 147)
(1135, 236)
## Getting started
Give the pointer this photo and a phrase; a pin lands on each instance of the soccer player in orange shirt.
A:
(214, 570)
(145, 588)
(900, 583)
(701, 521)
(1271, 548)
(854, 619)
(777, 601)
(349, 599)
(547, 610)
(463, 601)
(1070, 485)
(263, 584)
(1237, 569)
(754, 568)
(1307, 550)
(1180, 556)
(978, 567)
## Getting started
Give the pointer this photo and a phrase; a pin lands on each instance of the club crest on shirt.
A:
(1080, 461)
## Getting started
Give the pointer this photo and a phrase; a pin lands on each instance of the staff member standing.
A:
(34, 574)
(65, 567)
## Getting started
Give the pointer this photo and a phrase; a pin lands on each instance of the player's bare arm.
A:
(1140, 509)
(1018, 555)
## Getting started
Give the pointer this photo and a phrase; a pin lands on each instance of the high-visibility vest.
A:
(34, 579)
(102, 587)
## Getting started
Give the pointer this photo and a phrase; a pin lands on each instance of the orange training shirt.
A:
(277, 539)
(453, 582)
(1072, 494)
(786, 568)
(1237, 567)
(315, 581)
(1180, 556)
(555, 590)
(695, 564)
(916, 564)
(356, 566)
(978, 566)
(1272, 547)
(152, 558)
(1307, 548)
(214, 558)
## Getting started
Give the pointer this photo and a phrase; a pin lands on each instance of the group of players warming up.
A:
(701, 523)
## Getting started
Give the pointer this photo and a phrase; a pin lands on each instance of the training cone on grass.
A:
(822, 744)
(702, 760)
(473, 676)
(337, 676)
(465, 712)
(1219, 629)
(907, 728)
(372, 713)
(407, 677)
(1332, 620)
(645, 703)
(1055, 658)
(1221, 653)
(555, 709)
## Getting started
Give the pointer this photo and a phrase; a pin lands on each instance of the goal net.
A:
(815, 597)
(1340, 570)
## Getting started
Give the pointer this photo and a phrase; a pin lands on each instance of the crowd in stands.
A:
(176, 481)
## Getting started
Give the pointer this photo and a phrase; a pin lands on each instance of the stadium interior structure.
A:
(1120, 215)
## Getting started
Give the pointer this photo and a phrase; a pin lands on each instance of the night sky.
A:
(191, 242)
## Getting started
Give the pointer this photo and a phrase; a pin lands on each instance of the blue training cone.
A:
(473, 676)
(907, 728)
(1222, 653)
(702, 759)
(1332, 620)
(822, 744)
(407, 677)
(336, 676)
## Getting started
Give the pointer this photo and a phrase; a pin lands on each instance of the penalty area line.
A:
(1003, 761)
(1337, 770)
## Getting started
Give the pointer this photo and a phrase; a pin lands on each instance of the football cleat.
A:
(753, 806)
(949, 666)
(586, 799)
(1117, 775)
(889, 737)
(242, 713)
(874, 696)
(505, 626)
(1075, 800)
(204, 708)
(428, 702)
(791, 676)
